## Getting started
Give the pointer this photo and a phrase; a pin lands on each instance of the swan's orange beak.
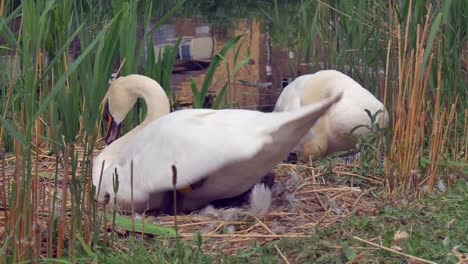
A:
(113, 129)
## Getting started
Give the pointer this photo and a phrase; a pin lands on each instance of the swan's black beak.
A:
(113, 129)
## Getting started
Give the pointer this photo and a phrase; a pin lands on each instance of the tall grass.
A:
(65, 57)
(66, 52)
(200, 94)
(411, 54)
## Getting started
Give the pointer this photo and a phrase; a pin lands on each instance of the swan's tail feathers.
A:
(260, 200)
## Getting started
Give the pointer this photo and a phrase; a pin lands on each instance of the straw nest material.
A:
(303, 200)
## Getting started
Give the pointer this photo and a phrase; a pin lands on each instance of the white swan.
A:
(329, 134)
(218, 153)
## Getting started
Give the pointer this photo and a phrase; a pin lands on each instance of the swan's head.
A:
(119, 100)
(123, 94)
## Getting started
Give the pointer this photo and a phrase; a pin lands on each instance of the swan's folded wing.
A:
(197, 142)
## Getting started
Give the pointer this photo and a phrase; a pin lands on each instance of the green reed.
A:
(65, 54)
(373, 41)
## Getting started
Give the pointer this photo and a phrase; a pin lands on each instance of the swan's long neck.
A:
(154, 96)
(138, 86)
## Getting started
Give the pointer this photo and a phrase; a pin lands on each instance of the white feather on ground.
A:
(260, 200)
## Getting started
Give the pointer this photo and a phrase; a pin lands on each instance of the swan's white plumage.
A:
(232, 149)
(329, 133)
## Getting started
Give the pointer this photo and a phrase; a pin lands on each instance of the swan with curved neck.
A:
(330, 133)
(222, 153)
(119, 99)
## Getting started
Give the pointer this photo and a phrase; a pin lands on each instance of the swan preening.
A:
(330, 132)
(223, 153)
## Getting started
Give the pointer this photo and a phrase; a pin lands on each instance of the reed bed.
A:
(303, 202)
(59, 59)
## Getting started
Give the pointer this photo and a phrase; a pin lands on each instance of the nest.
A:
(301, 203)
(303, 200)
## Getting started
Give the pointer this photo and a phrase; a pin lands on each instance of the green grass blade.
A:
(61, 82)
(220, 96)
(126, 224)
(9, 128)
(434, 29)
(86, 248)
(200, 94)
(242, 62)
(195, 93)
(59, 53)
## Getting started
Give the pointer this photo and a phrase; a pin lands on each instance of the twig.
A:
(353, 189)
(100, 179)
(359, 197)
(210, 222)
(264, 226)
(282, 255)
(392, 250)
(320, 201)
(276, 246)
(293, 235)
(358, 176)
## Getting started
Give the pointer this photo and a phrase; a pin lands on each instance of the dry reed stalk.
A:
(221, 222)
(5, 187)
(387, 66)
(50, 225)
(14, 216)
(465, 135)
(100, 178)
(435, 136)
(2, 7)
(290, 235)
(353, 189)
(393, 250)
(88, 200)
(38, 131)
(440, 143)
(353, 175)
(411, 111)
(283, 256)
(63, 219)
(456, 141)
